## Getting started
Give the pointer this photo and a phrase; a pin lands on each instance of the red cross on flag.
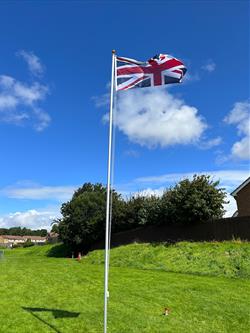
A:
(159, 70)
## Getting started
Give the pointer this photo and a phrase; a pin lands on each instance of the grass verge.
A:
(42, 294)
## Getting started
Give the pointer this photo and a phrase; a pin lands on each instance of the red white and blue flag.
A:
(159, 70)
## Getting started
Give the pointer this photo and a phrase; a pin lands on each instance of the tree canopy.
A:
(19, 231)
(83, 220)
(193, 201)
(190, 201)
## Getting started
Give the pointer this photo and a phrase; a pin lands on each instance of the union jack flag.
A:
(159, 70)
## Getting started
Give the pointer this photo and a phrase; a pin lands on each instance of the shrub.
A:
(15, 246)
(28, 243)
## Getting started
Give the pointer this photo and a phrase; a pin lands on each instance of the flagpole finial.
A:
(113, 51)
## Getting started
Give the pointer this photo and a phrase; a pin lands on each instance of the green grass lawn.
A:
(42, 294)
(228, 259)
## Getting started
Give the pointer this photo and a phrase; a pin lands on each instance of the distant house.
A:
(10, 240)
(52, 237)
(242, 196)
(36, 239)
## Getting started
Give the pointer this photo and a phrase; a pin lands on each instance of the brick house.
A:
(242, 196)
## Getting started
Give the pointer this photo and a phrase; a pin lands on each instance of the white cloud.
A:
(15, 92)
(154, 117)
(35, 218)
(240, 117)
(7, 101)
(43, 119)
(19, 100)
(231, 177)
(32, 191)
(32, 219)
(28, 95)
(210, 143)
(149, 191)
(209, 66)
(191, 77)
(102, 100)
(241, 149)
(34, 63)
(231, 206)
(16, 95)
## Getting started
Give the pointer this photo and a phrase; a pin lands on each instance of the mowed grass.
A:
(229, 259)
(42, 294)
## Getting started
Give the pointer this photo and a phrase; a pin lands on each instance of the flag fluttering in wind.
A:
(160, 70)
(126, 74)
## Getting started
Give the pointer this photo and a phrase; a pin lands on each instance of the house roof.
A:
(35, 237)
(235, 192)
(22, 237)
(53, 234)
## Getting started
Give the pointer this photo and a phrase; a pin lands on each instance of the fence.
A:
(217, 230)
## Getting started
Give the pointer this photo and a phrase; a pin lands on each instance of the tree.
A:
(136, 213)
(55, 227)
(84, 216)
(142, 210)
(18, 231)
(43, 232)
(196, 200)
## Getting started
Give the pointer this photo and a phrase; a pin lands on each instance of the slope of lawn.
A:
(230, 259)
(43, 294)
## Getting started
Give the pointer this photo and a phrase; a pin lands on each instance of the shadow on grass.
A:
(55, 312)
(59, 251)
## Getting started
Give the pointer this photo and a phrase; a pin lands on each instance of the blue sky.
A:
(54, 82)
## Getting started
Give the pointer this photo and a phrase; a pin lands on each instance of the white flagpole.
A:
(108, 224)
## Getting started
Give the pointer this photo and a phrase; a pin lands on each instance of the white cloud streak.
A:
(131, 153)
(35, 66)
(102, 100)
(240, 117)
(154, 117)
(210, 143)
(38, 192)
(191, 77)
(233, 177)
(152, 185)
